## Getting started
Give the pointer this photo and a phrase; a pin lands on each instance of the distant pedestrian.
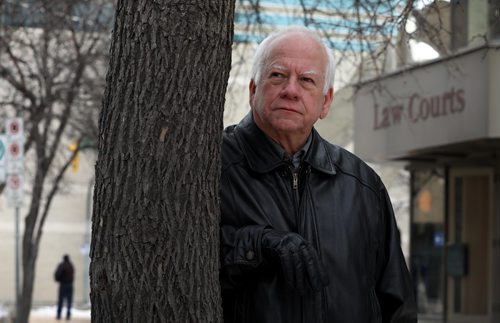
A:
(64, 275)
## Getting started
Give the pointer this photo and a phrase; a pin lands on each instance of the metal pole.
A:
(17, 263)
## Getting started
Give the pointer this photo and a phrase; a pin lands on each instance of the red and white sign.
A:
(14, 182)
(15, 190)
(14, 157)
(15, 128)
(426, 107)
(14, 160)
(3, 148)
(15, 149)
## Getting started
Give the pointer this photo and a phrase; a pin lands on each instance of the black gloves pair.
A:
(302, 268)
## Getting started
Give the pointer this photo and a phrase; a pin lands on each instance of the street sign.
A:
(14, 156)
(14, 161)
(14, 190)
(15, 179)
(15, 149)
(15, 128)
(3, 145)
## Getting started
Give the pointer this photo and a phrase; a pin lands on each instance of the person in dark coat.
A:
(64, 275)
(308, 233)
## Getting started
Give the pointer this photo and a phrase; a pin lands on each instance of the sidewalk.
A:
(42, 319)
(48, 315)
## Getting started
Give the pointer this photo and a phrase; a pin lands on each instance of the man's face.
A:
(289, 97)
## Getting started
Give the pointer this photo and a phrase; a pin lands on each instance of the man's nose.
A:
(290, 89)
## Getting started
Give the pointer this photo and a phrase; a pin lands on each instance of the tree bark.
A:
(154, 252)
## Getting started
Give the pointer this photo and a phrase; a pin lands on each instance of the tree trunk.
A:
(28, 279)
(155, 224)
(30, 246)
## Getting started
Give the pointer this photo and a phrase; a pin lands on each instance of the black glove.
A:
(299, 260)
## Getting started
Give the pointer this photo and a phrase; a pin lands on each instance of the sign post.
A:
(15, 181)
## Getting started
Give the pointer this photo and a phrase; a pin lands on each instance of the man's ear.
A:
(328, 99)
(251, 90)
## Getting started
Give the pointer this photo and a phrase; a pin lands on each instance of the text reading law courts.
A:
(443, 120)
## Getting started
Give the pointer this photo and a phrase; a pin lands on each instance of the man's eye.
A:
(276, 74)
(308, 80)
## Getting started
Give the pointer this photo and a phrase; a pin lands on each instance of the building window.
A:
(459, 23)
(428, 241)
(494, 18)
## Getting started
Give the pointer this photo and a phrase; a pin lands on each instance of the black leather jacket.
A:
(338, 204)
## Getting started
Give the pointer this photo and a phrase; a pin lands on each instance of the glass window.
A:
(428, 241)
(494, 18)
(459, 23)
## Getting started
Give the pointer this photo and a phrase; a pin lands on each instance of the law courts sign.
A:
(440, 103)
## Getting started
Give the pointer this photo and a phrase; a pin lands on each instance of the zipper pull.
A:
(295, 180)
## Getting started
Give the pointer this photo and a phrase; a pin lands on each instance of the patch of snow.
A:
(3, 312)
(50, 311)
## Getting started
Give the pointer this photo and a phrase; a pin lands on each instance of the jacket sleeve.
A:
(240, 240)
(241, 252)
(394, 288)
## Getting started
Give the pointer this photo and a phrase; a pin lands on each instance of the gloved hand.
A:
(301, 265)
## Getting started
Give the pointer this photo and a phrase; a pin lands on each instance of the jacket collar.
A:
(262, 156)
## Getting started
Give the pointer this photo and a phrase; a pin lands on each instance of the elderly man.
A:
(307, 230)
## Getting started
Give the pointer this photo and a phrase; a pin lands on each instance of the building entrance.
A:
(468, 259)
(428, 242)
(451, 250)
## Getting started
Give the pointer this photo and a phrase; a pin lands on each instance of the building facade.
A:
(442, 119)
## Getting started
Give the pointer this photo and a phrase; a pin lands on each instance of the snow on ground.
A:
(50, 311)
(3, 312)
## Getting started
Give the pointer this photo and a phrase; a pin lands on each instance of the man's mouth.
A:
(287, 109)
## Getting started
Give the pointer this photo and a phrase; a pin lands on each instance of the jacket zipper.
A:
(295, 187)
(295, 190)
(295, 180)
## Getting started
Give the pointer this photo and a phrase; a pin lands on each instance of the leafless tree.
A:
(368, 35)
(50, 53)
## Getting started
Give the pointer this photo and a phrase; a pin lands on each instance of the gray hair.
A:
(262, 53)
